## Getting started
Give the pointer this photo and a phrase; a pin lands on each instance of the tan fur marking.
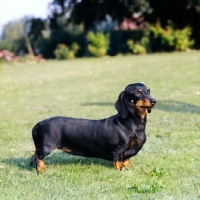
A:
(141, 107)
(133, 142)
(118, 165)
(65, 149)
(127, 163)
(145, 103)
(142, 112)
(41, 166)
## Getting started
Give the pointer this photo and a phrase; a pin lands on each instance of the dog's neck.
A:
(134, 117)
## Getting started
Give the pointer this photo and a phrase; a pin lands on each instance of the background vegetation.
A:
(137, 27)
(166, 168)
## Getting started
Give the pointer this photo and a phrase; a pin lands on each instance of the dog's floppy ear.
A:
(121, 105)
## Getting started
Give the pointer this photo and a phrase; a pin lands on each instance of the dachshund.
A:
(116, 138)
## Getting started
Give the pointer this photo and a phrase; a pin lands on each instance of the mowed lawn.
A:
(167, 167)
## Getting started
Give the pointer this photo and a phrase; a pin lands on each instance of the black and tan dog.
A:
(116, 138)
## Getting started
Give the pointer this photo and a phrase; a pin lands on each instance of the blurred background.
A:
(65, 29)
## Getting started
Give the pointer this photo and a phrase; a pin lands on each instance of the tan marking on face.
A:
(140, 107)
(41, 166)
(144, 102)
(127, 163)
(133, 143)
(142, 112)
(118, 165)
(65, 149)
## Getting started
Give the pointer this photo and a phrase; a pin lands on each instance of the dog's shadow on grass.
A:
(177, 106)
(97, 104)
(58, 158)
(165, 105)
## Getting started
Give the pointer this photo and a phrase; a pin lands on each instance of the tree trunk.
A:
(29, 47)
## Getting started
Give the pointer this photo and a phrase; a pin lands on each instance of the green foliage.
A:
(159, 172)
(98, 43)
(13, 30)
(136, 48)
(139, 47)
(63, 52)
(6, 44)
(48, 45)
(182, 39)
(157, 38)
(13, 45)
(170, 38)
(146, 188)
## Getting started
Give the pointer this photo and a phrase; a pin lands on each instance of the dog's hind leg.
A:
(38, 161)
(43, 145)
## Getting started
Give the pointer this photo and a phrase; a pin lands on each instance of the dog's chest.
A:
(134, 141)
(138, 136)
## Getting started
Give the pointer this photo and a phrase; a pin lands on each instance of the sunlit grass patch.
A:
(166, 168)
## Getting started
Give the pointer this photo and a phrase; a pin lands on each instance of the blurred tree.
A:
(194, 4)
(33, 32)
(13, 30)
(181, 12)
(90, 11)
(13, 35)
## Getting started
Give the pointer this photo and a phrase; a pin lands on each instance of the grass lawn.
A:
(168, 166)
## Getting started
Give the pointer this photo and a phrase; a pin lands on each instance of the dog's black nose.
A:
(153, 101)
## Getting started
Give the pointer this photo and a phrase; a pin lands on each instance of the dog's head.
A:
(135, 99)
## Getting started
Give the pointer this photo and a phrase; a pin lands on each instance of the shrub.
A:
(13, 45)
(48, 45)
(170, 38)
(6, 55)
(182, 41)
(5, 44)
(64, 52)
(98, 43)
(141, 46)
(157, 38)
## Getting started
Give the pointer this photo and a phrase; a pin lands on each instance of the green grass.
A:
(168, 166)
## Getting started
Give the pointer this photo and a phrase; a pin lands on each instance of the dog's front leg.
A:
(118, 165)
(127, 163)
(118, 160)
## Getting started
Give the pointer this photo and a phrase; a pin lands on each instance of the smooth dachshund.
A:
(116, 138)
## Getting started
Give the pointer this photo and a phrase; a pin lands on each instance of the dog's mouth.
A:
(145, 107)
(148, 108)
(146, 104)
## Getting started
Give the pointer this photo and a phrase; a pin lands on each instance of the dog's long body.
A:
(116, 138)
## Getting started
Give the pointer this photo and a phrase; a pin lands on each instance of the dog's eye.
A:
(139, 91)
(148, 90)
